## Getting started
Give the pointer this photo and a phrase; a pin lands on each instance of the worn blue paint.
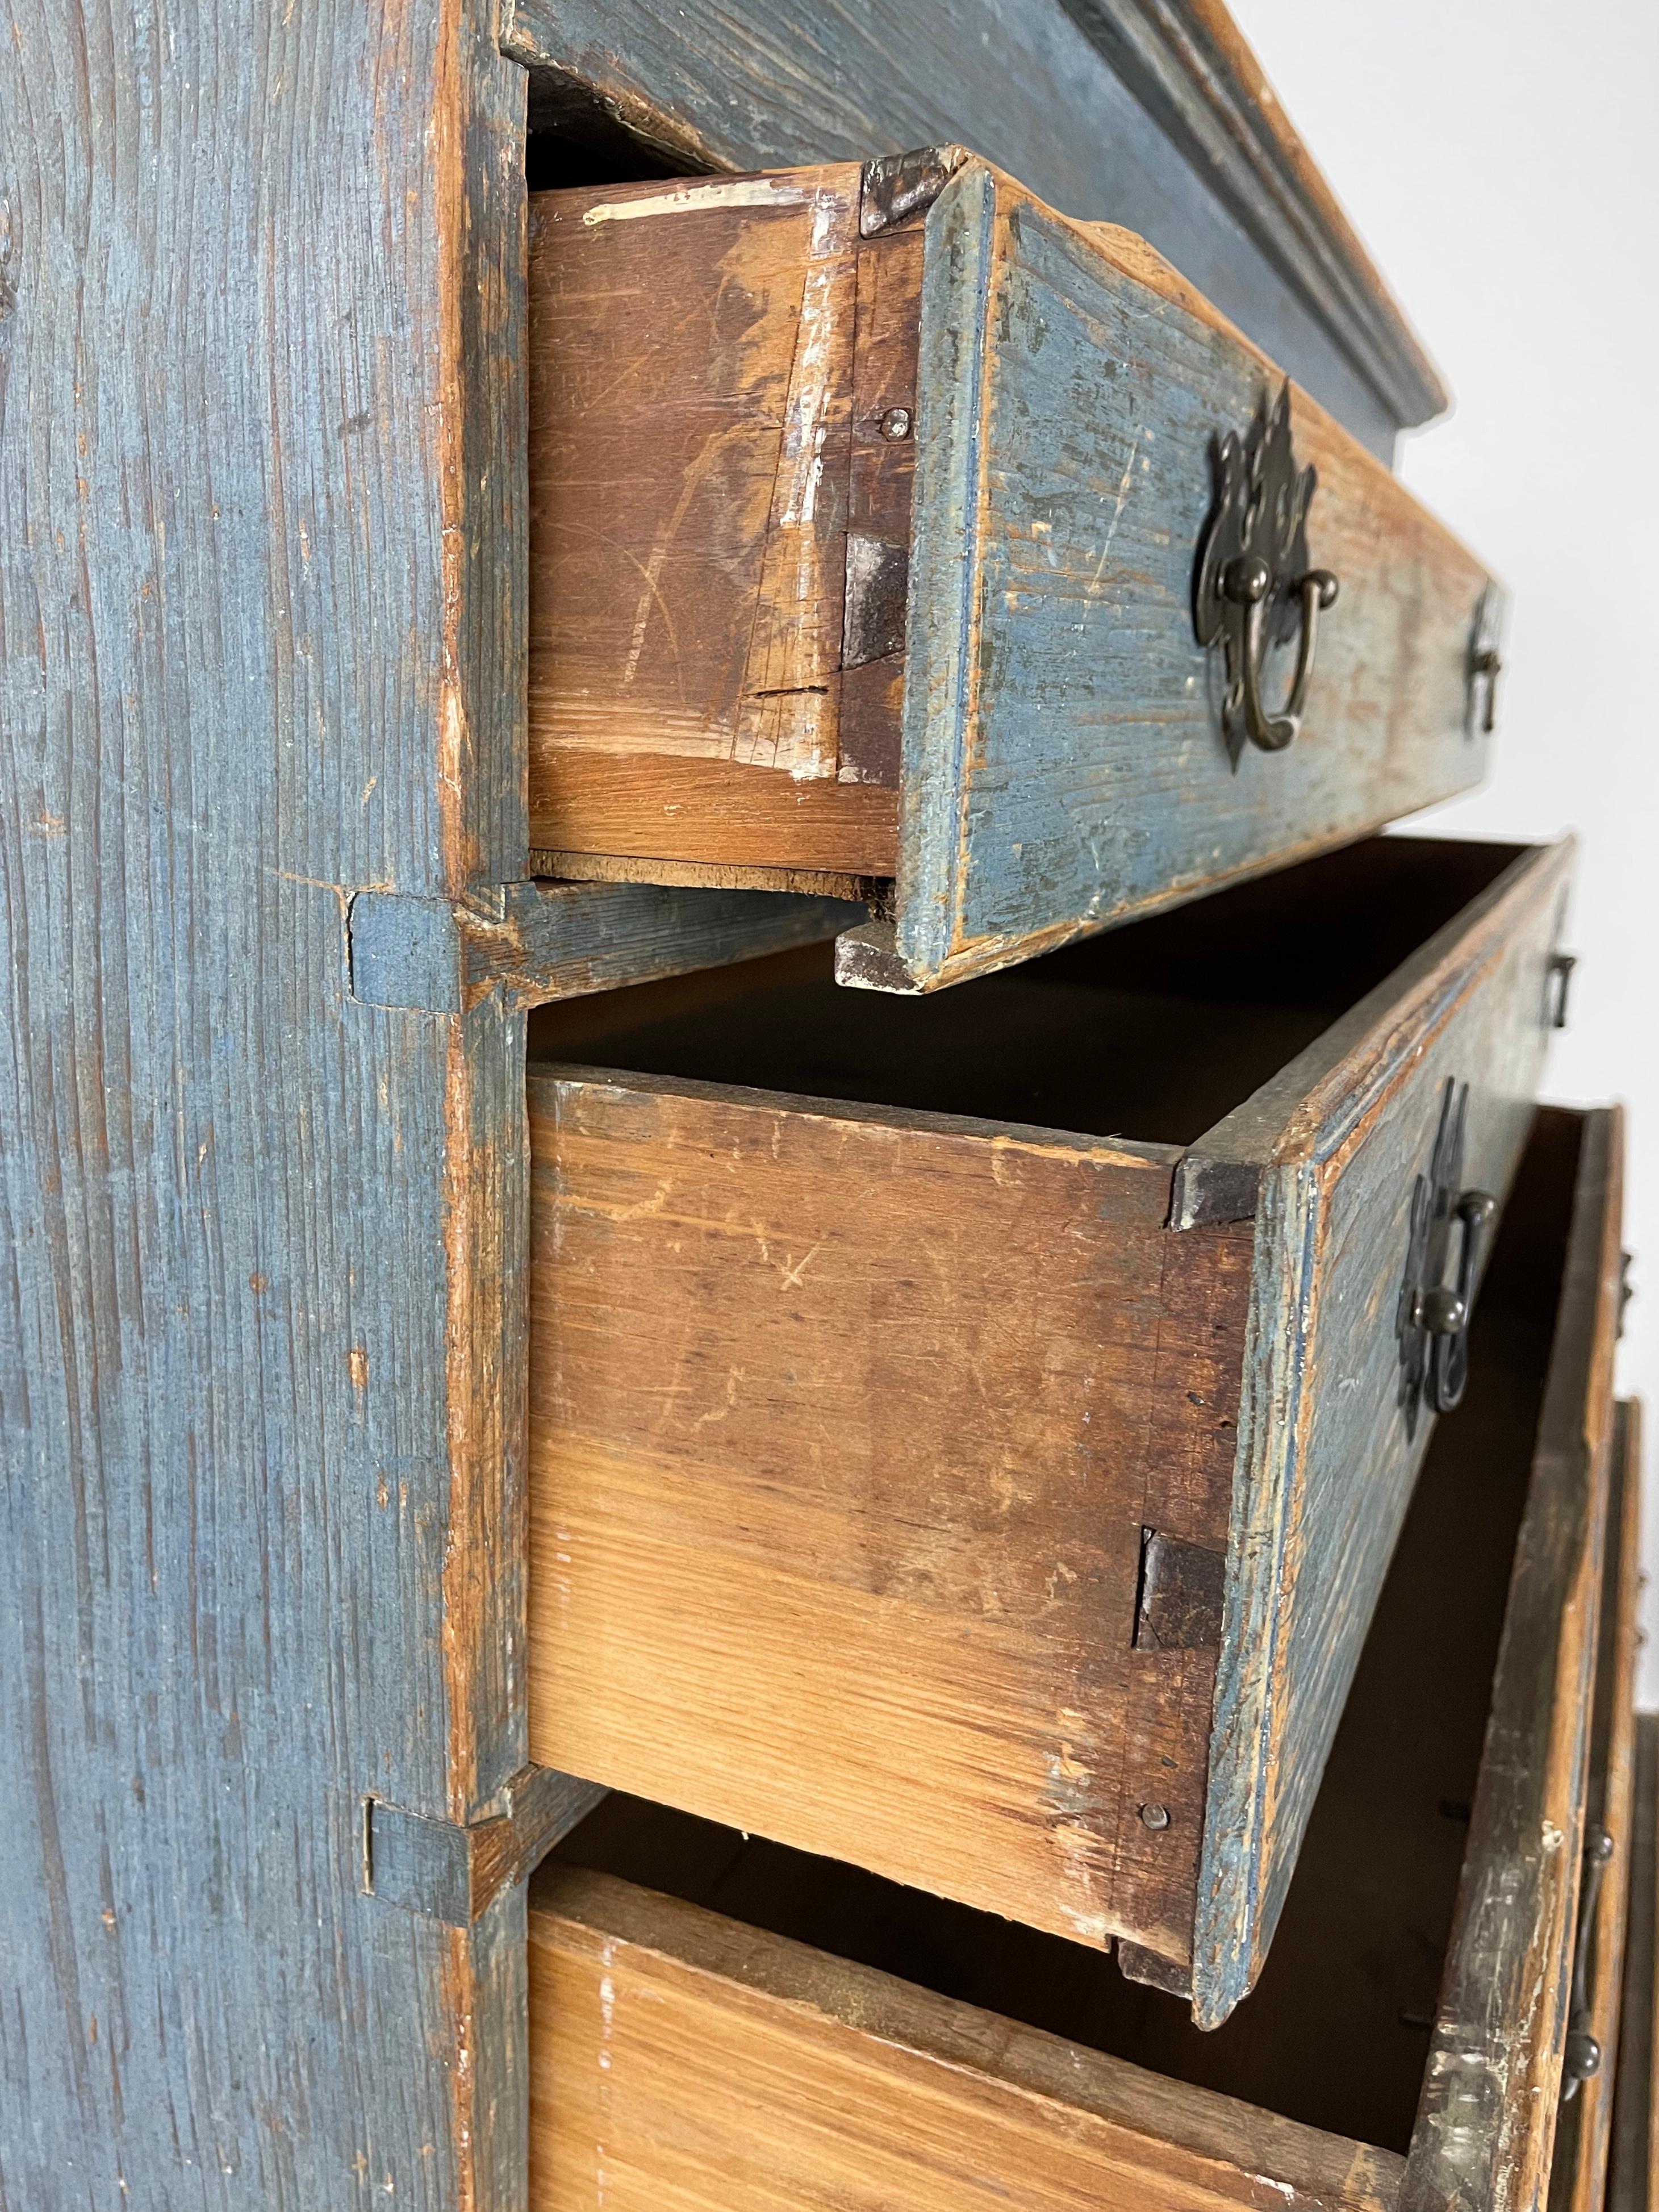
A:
(261, 586)
(537, 941)
(1063, 761)
(1325, 1465)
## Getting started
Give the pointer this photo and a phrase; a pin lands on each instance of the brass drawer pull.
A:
(1433, 1322)
(1253, 588)
(1581, 2057)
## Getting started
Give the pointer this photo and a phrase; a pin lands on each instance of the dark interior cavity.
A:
(1153, 1031)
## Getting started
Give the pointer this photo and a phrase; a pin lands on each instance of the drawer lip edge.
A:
(1304, 1110)
(1025, 1136)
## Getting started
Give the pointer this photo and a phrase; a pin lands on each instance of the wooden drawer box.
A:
(875, 516)
(780, 2031)
(982, 1467)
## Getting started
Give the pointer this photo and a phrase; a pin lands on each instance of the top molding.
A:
(1190, 68)
(1153, 114)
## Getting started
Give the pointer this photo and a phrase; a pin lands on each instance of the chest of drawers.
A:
(783, 2031)
(273, 836)
(930, 523)
(996, 1497)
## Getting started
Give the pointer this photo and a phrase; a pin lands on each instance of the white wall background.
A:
(1500, 158)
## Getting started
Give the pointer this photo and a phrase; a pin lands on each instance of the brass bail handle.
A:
(1445, 1313)
(1247, 581)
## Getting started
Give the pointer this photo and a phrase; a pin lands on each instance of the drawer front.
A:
(1329, 1439)
(1486, 2126)
(1633, 2153)
(1065, 763)
(878, 560)
(679, 2058)
(1578, 2168)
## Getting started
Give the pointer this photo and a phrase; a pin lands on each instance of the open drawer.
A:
(975, 1451)
(725, 2025)
(889, 530)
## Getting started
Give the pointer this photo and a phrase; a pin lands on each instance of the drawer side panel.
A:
(840, 1440)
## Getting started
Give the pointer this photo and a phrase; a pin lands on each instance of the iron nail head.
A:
(1155, 1816)
(895, 423)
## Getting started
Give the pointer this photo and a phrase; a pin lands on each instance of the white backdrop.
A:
(1500, 158)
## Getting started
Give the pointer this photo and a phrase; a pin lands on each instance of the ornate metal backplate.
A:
(1433, 1323)
(1253, 589)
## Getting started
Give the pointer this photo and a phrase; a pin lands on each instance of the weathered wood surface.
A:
(718, 521)
(1633, 2156)
(1486, 2124)
(1325, 1461)
(1048, 715)
(261, 582)
(847, 1424)
(1578, 2164)
(679, 2057)
(1064, 764)
(534, 942)
(751, 84)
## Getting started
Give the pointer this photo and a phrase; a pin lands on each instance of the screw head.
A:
(1155, 1816)
(895, 423)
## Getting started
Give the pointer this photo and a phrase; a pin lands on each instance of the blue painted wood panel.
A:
(1326, 1457)
(1064, 764)
(261, 647)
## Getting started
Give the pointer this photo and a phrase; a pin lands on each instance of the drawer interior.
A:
(1336, 2034)
(1153, 1031)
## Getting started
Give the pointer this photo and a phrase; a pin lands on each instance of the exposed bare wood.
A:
(759, 1326)
(681, 2059)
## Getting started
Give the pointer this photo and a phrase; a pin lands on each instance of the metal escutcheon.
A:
(1433, 1323)
(1253, 588)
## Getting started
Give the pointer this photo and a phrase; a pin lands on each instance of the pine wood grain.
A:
(261, 564)
(683, 2060)
(844, 1415)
